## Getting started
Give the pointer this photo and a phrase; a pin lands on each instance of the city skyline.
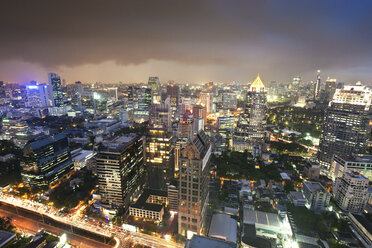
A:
(193, 42)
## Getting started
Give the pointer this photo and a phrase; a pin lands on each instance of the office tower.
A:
(317, 86)
(198, 124)
(131, 93)
(200, 111)
(330, 88)
(346, 124)
(229, 101)
(173, 92)
(123, 116)
(56, 89)
(206, 100)
(193, 185)
(159, 147)
(186, 126)
(251, 126)
(144, 99)
(185, 104)
(38, 96)
(351, 192)
(121, 169)
(79, 92)
(2, 93)
(46, 160)
(317, 197)
(154, 85)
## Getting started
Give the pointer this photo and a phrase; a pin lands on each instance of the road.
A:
(31, 226)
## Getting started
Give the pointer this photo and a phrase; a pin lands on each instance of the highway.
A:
(102, 229)
(31, 226)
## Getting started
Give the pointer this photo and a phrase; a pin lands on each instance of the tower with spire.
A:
(249, 133)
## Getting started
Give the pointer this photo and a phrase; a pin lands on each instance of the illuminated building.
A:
(359, 163)
(150, 205)
(173, 91)
(351, 192)
(229, 101)
(251, 126)
(38, 96)
(55, 85)
(46, 160)
(346, 124)
(200, 111)
(121, 169)
(186, 126)
(141, 113)
(330, 88)
(317, 86)
(159, 147)
(206, 100)
(2, 93)
(154, 85)
(193, 185)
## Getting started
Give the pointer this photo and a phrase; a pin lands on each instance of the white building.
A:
(38, 96)
(351, 192)
(359, 163)
(317, 197)
(223, 227)
(80, 158)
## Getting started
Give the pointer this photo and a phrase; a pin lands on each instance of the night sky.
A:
(186, 41)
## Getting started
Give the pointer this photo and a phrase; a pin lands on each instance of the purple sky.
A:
(186, 41)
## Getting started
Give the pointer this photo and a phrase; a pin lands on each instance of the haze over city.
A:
(185, 41)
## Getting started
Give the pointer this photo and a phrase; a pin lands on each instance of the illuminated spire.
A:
(257, 85)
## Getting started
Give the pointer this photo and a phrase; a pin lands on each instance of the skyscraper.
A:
(194, 163)
(154, 85)
(56, 89)
(173, 92)
(121, 169)
(251, 126)
(206, 100)
(159, 147)
(38, 96)
(2, 92)
(346, 124)
(317, 86)
(46, 160)
(200, 111)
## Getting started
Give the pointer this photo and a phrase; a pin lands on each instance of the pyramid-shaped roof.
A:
(257, 85)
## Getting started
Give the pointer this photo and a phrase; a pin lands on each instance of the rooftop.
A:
(6, 237)
(202, 242)
(223, 226)
(314, 186)
(142, 204)
(263, 218)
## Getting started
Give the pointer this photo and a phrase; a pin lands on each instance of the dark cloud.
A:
(278, 38)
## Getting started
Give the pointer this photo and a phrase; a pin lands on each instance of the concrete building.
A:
(55, 85)
(312, 169)
(317, 197)
(206, 100)
(297, 198)
(150, 205)
(198, 241)
(193, 185)
(223, 227)
(342, 163)
(251, 126)
(362, 229)
(346, 124)
(38, 96)
(121, 169)
(46, 160)
(351, 192)
(81, 157)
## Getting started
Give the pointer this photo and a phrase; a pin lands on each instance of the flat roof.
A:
(203, 242)
(142, 204)
(314, 186)
(363, 221)
(295, 195)
(6, 237)
(259, 217)
(223, 225)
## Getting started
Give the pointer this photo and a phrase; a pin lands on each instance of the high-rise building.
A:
(38, 96)
(55, 85)
(79, 92)
(46, 160)
(200, 111)
(206, 100)
(346, 124)
(173, 92)
(317, 86)
(186, 126)
(121, 170)
(359, 163)
(154, 85)
(351, 192)
(330, 88)
(144, 99)
(250, 130)
(317, 197)
(2, 93)
(193, 186)
(229, 101)
(159, 148)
